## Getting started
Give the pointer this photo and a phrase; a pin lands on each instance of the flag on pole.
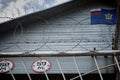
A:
(104, 16)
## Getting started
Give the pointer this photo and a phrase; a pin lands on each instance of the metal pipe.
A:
(97, 67)
(44, 70)
(9, 69)
(94, 70)
(25, 69)
(59, 54)
(77, 68)
(60, 68)
(118, 66)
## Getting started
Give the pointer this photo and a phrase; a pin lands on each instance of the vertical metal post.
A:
(9, 69)
(117, 30)
(60, 68)
(44, 70)
(25, 68)
(97, 67)
(117, 63)
(77, 68)
(117, 33)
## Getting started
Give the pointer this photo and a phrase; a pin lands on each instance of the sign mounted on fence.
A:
(6, 66)
(41, 65)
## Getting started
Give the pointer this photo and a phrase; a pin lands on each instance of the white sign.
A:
(6, 66)
(41, 65)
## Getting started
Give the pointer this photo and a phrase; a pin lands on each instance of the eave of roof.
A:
(26, 19)
(48, 13)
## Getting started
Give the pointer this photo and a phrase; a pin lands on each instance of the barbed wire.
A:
(77, 42)
(45, 43)
(102, 36)
(40, 46)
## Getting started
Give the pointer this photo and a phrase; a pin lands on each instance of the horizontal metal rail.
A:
(60, 54)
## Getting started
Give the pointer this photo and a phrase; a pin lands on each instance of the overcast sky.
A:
(16, 8)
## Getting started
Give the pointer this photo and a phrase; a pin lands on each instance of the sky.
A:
(15, 8)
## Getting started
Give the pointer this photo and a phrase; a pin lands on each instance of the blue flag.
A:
(104, 16)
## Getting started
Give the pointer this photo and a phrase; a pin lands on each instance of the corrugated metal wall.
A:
(85, 64)
(74, 37)
(68, 32)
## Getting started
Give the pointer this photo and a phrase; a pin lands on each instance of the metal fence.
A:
(93, 55)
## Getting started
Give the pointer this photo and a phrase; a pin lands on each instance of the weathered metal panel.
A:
(85, 64)
(71, 32)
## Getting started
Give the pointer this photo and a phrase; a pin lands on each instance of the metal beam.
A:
(60, 54)
(101, 77)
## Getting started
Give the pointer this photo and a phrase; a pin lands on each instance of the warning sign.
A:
(41, 65)
(6, 66)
